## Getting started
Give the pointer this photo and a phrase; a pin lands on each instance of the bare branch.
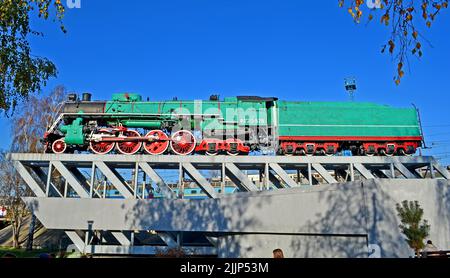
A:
(405, 18)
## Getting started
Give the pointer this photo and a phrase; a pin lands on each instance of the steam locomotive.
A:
(240, 125)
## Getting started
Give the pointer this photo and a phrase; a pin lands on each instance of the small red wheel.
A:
(59, 146)
(183, 142)
(102, 147)
(232, 141)
(160, 145)
(129, 147)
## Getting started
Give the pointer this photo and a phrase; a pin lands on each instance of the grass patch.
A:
(22, 253)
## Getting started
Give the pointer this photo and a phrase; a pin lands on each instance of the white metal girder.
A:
(117, 183)
(240, 179)
(200, 180)
(283, 175)
(442, 170)
(404, 171)
(28, 178)
(168, 193)
(67, 175)
(324, 173)
(364, 172)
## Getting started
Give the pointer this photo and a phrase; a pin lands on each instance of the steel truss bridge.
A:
(72, 198)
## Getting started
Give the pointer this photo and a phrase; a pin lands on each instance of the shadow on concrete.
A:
(351, 207)
(198, 219)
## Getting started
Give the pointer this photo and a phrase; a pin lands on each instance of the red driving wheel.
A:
(183, 142)
(59, 146)
(158, 146)
(129, 147)
(102, 147)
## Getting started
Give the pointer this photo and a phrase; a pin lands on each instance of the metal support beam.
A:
(442, 171)
(117, 183)
(167, 238)
(352, 172)
(136, 179)
(31, 182)
(392, 168)
(158, 180)
(76, 239)
(343, 174)
(275, 181)
(404, 171)
(81, 178)
(74, 183)
(310, 175)
(363, 171)
(324, 173)
(240, 179)
(200, 180)
(46, 179)
(223, 178)
(267, 176)
(432, 173)
(121, 238)
(283, 175)
(213, 240)
(91, 184)
(387, 173)
(49, 179)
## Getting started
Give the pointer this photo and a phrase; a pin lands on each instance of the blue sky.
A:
(296, 50)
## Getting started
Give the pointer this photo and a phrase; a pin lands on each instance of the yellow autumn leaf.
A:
(391, 46)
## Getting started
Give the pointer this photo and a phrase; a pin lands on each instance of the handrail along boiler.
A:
(233, 126)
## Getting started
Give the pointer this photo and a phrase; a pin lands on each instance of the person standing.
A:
(429, 247)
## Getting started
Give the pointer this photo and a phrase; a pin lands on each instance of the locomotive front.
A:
(128, 125)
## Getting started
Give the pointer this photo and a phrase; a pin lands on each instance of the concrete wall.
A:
(293, 246)
(383, 195)
(325, 221)
(376, 215)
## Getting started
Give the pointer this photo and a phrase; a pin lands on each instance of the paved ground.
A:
(42, 238)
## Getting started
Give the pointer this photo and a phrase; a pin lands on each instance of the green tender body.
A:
(346, 119)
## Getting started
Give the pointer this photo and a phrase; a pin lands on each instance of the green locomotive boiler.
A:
(128, 125)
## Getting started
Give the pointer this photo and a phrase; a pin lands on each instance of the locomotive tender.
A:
(234, 126)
